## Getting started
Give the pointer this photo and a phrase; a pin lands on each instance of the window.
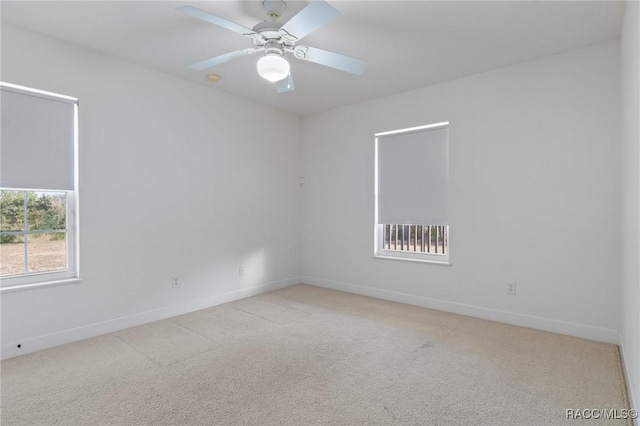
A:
(38, 187)
(411, 193)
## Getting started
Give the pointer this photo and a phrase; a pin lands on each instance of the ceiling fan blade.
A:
(217, 60)
(206, 16)
(285, 85)
(309, 19)
(331, 59)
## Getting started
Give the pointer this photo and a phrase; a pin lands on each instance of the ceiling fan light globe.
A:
(273, 68)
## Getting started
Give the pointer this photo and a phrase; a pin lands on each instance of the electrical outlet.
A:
(241, 270)
(174, 282)
(511, 288)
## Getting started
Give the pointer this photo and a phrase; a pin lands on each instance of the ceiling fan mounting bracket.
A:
(274, 8)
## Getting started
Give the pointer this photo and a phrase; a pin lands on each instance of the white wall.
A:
(175, 179)
(534, 158)
(630, 159)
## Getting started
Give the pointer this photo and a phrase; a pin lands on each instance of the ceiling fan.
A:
(277, 40)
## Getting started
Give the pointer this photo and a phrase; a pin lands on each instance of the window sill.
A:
(31, 286)
(409, 259)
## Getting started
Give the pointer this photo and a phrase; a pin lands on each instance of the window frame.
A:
(379, 251)
(28, 278)
(72, 241)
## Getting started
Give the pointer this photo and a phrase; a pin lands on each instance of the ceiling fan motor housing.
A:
(268, 29)
(269, 32)
(273, 47)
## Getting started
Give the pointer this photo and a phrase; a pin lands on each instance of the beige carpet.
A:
(310, 356)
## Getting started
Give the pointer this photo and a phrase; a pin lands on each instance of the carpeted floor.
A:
(310, 356)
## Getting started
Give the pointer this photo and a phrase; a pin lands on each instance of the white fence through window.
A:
(416, 238)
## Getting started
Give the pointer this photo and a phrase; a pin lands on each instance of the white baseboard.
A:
(561, 327)
(39, 343)
(633, 402)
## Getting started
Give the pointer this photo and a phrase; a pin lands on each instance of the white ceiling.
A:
(408, 44)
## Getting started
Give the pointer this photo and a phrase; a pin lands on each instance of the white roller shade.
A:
(413, 177)
(37, 145)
